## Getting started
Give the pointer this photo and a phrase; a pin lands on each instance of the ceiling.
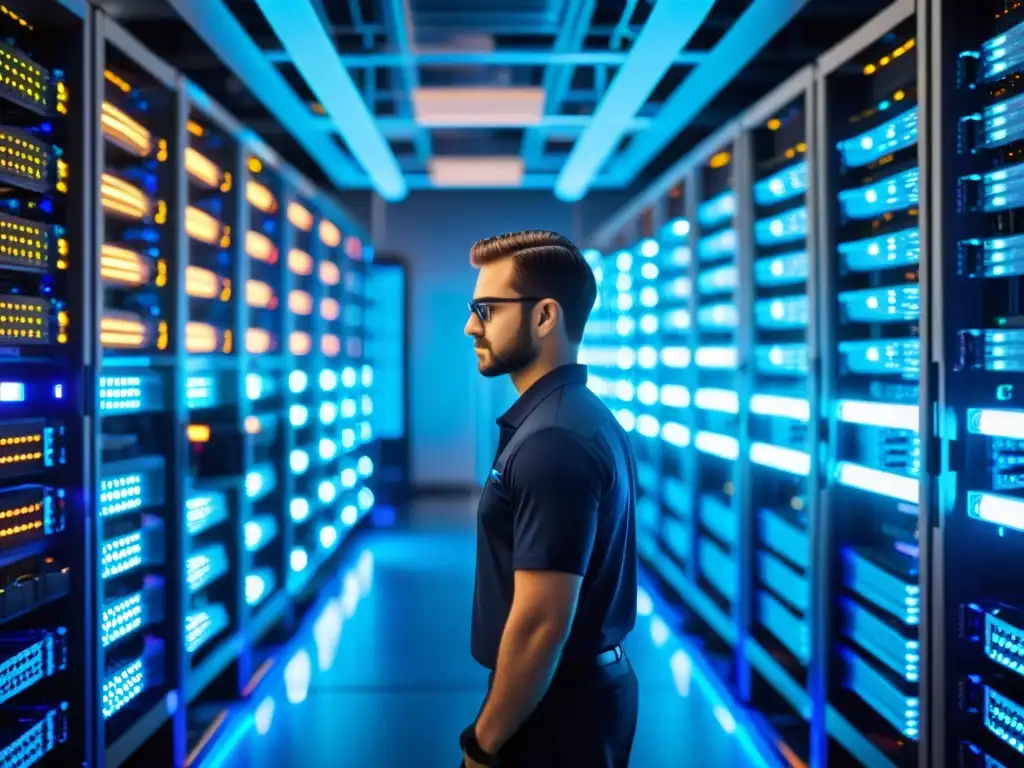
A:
(396, 95)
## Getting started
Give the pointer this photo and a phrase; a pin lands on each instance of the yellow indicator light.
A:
(260, 197)
(300, 302)
(330, 309)
(720, 160)
(201, 168)
(124, 266)
(330, 274)
(300, 262)
(201, 338)
(202, 226)
(23, 158)
(24, 320)
(124, 131)
(259, 295)
(260, 247)
(120, 198)
(330, 235)
(198, 433)
(257, 341)
(300, 343)
(117, 81)
(24, 243)
(299, 217)
(123, 330)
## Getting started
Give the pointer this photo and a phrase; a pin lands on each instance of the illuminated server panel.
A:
(983, 523)
(781, 487)
(267, 513)
(139, 441)
(716, 394)
(675, 351)
(871, 368)
(356, 408)
(41, 446)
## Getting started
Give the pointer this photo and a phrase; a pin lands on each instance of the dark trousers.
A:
(587, 719)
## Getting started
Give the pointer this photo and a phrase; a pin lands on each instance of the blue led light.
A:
(893, 135)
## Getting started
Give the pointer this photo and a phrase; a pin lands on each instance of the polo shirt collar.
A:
(548, 384)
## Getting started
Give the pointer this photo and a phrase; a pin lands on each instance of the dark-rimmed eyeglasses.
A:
(482, 307)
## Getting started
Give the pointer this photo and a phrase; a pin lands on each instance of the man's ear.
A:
(547, 316)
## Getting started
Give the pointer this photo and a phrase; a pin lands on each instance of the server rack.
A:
(131, 414)
(870, 302)
(719, 355)
(674, 544)
(140, 441)
(780, 437)
(974, 523)
(49, 675)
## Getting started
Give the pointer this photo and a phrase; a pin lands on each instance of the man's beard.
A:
(518, 355)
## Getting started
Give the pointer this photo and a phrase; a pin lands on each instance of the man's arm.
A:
(555, 486)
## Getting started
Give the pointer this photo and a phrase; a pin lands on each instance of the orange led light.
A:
(300, 302)
(257, 341)
(330, 309)
(198, 433)
(201, 226)
(121, 198)
(260, 197)
(299, 217)
(202, 283)
(720, 160)
(300, 262)
(330, 274)
(300, 343)
(253, 426)
(124, 266)
(201, 338)
(330, 345)
(201, 168)
(260, 247)
(330, 235)
(260, 295)
(124, 131)
(123, 330)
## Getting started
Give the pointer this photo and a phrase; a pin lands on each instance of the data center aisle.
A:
(398, 684)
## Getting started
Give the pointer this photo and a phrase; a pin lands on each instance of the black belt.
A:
(603, 659)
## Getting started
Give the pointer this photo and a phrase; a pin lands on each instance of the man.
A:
(556, 576)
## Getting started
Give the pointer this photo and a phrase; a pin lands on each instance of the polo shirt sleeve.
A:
(556, 492)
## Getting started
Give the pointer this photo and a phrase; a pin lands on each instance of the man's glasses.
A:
(482, 307)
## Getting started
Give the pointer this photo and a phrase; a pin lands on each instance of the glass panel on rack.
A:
(715, 396)
(874, 419)
(983, 352)
(41, 461)
(779, 416)
(138, 462)
(265, 387)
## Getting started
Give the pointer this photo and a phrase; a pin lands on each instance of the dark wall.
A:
(452, 409)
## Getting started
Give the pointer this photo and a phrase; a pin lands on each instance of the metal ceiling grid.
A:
(518, 82)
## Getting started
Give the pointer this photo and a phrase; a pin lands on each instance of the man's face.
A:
(504, 342)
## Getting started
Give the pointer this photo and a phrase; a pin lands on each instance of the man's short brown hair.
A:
(547, 265)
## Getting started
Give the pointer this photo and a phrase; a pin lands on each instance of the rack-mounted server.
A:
(45, 665)
(976, 514)
(870, 382)
(821, 463)
(147, 392)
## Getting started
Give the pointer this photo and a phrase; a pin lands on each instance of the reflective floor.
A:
(386, 677)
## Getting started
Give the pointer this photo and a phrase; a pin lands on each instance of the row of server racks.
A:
(809, 326)
(185, 399)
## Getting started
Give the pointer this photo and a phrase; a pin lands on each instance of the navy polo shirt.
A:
(561, 497)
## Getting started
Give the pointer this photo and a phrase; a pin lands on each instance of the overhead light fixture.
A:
(479, 107)
(476, 172)
(302, 33)
(668, 29)
(746, 38)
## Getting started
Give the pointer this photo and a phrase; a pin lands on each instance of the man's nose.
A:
(473, 325)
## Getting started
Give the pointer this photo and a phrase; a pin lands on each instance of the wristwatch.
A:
(473, 749)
